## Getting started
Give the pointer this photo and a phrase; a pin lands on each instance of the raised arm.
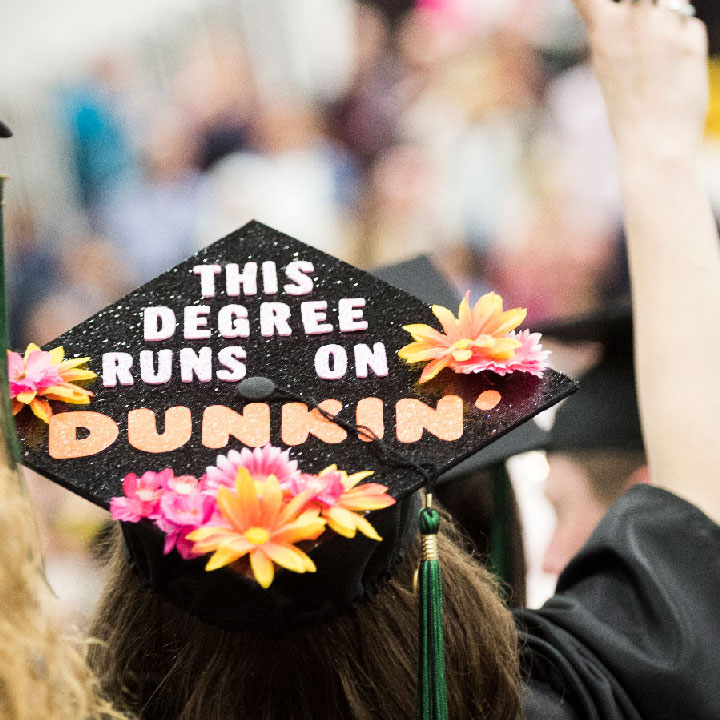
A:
(650, 60)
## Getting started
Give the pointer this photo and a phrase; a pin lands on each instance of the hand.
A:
(651, 64)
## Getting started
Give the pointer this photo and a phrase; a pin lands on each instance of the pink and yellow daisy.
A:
(341, 500)
(42, 375)
(481, 338)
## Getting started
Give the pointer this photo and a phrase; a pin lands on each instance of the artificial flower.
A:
(142, 496)
(262, 526)
(480, 338)
(42, 375)
(181, 513)
(261, 463)
(341, 499)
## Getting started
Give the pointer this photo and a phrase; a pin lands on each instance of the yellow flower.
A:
(42, 375)
(341, 500)
(262, 526)
(474, 341)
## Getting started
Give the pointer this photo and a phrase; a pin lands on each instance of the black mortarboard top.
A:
(421, 278)
(5, 131)
(259, 303)
(603, 415)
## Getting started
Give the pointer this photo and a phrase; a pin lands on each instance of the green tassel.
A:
(431, 691)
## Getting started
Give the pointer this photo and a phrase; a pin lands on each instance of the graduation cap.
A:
(259, 339)
(604, 414)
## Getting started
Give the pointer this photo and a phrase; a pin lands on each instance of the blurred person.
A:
(90, 275)
(153, 222)
(92, 111)
(548, 256)
(216, 88)
(43, 672)
(397, 217)
(364, 118)
(293, 178)
(32, 268)
(596, 451)
(581, 488)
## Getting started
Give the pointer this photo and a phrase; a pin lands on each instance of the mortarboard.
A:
(261, 339)
(604, 414)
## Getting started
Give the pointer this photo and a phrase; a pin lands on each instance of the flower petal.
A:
(308, 526)
(433, 368)
(420, 351)
(503, 323)
(447, 320)
(31, 348)
(57, 355)
(370, 496)
(26, 397)
(350, 481)
(262, 567)
(289, 557)
(422, 332)
(16, 366)
(221, 557)
(42, 409)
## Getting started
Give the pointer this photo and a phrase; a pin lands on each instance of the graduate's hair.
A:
(609, 471)
(43, 669)
(162, 664)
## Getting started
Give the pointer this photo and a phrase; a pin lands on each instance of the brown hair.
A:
(43, 673)
(163, 664)
(609, 471)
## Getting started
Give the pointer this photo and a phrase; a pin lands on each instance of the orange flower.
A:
(341, 500)
(261, 526)
(476, 340)
(43, 375)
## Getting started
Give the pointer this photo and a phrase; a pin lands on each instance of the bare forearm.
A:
(674, 257)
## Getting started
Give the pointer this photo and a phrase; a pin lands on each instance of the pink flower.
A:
(529, 357)
(182, 484)
(261, 463)
(142, 496)
(325, 489)
(180, 514)
(342, 501)
(42, 375)
(479, 338)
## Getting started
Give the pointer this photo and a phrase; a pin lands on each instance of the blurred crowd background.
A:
(470, 131)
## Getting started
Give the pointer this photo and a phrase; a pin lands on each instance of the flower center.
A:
(463, 344)
(257, 535)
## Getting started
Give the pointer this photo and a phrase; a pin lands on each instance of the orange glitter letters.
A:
(298, 423)
(414, 416)
(63, 442)
(143, 434)
(251, 427)
(370, 414)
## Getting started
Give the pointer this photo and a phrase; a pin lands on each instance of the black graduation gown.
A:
(633, 630)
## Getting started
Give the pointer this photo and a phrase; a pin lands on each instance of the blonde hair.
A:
(43, 671)
(164, 664)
